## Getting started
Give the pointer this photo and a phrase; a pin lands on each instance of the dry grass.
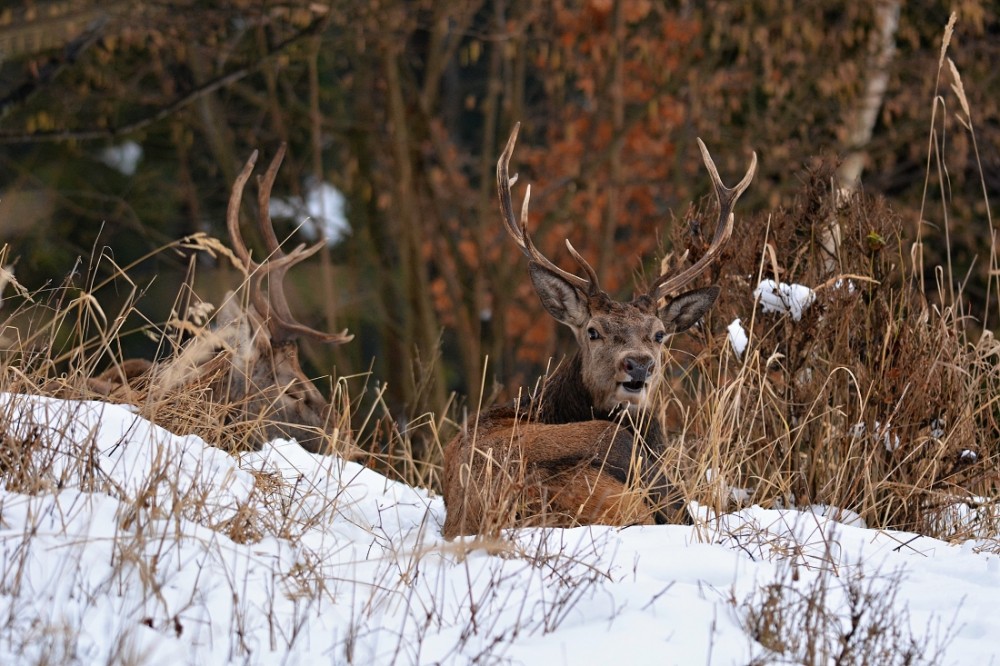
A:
(792, 621)
(877, 400)
(882, 399)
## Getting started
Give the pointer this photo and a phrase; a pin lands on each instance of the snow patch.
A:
(124, 157)
(738, 338)
(351, 566)
(793, 299)
(322, 211)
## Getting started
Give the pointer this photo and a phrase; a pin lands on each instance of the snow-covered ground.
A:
(122, 543)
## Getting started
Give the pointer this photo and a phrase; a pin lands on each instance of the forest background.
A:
(403, 106)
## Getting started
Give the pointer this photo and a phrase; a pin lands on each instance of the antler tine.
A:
(233, 215)
(519, 232)
(275, 303)
(282, 324)
(594, 286)
(724, 228)
(264, 185)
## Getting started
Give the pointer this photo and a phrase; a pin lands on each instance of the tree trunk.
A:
(861, 120)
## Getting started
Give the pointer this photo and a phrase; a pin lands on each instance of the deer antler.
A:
(666, 284)
(519, 232)
(281, 323)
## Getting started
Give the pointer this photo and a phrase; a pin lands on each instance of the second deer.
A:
(584, 448)
(247, 363)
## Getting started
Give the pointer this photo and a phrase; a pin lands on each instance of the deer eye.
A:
(659, 336)
(593, 334)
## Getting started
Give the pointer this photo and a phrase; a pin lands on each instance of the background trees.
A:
(403, 107)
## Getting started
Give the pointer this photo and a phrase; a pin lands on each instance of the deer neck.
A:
(566, 399)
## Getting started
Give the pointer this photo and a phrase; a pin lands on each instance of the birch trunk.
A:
(861, 120)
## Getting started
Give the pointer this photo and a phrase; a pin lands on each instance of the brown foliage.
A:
(875, 400)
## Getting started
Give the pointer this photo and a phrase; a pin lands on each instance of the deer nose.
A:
(638, 368)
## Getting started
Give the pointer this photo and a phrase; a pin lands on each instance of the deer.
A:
(583, 447)
(248, 358)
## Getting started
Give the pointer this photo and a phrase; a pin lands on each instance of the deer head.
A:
(620, 342)
(249, 358)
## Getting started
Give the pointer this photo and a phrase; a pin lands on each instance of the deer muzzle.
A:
(637, 371)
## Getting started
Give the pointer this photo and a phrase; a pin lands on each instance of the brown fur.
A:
(244, 367)
(555, 461)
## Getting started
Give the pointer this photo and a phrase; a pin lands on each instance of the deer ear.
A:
(683, 311)
(561, 299)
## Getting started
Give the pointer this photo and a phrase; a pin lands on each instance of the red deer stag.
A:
(248, 359)
(582, 449)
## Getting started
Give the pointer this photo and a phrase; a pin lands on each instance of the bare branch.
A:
(209, 87)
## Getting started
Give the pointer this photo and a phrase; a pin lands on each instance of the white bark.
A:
(881, 49)
(862, 117)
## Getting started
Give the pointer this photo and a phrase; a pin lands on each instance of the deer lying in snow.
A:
(584, 448)
(248, 359)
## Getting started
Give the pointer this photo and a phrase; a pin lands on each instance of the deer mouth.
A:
(632, 394)
(633, 386)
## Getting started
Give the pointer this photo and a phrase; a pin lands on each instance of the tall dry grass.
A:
(882, 399)
(877, 400)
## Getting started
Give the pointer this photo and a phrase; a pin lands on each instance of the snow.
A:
(845, 284)
(793, 299)
(882, 433)
(128, 544)
(321, 209)
(123, 157)
(738, 337)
